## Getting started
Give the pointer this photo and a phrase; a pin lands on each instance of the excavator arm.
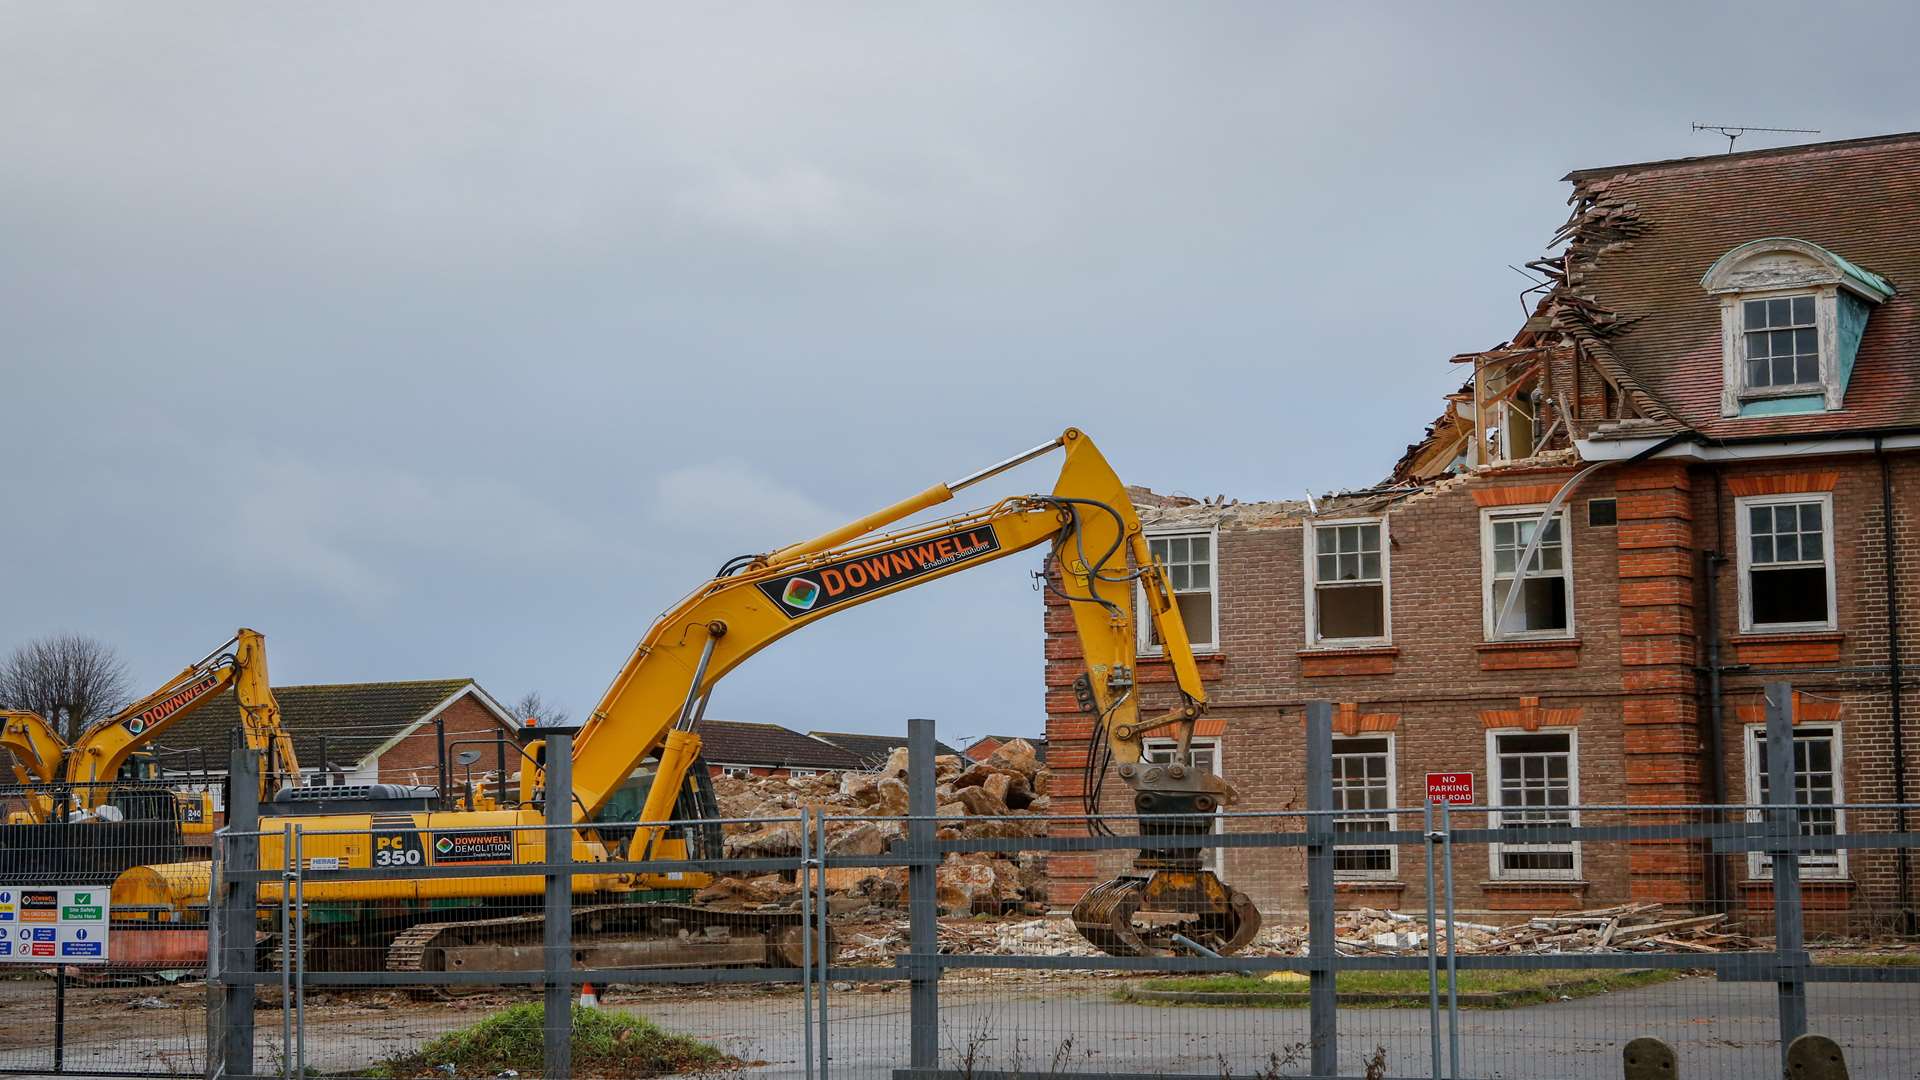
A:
(37, 748)
(35, 758)
(93, 761)
(654, 705)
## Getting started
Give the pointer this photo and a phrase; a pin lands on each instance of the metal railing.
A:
(1533, 949)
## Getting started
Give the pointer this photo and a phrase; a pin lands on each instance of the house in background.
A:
(872, 750)
(736, 748)
(983, 747)
(362, 733)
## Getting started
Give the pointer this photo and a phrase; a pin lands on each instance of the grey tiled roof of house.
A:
(353, 719)
(872, 750)
(733, 742)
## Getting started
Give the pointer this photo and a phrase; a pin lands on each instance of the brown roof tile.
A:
(872, 750)
(730, 742)
(355, 719)
(1859, 199)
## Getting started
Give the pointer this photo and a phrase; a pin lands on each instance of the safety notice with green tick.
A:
(41, 924)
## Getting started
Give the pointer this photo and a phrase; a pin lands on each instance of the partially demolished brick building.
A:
(1718, 395)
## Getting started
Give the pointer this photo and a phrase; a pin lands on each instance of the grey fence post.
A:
(557, 1031)
(1453, 942)
(1433, 945)
(923, 959)
(230, 923)
(1323, 1016)
(806, 941)
(1783, 814)
(823, 949)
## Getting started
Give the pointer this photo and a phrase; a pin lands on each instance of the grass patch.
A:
(606, 1043)
(1395, 989)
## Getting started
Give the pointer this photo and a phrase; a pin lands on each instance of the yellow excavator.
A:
(652, 712)
(46, 768)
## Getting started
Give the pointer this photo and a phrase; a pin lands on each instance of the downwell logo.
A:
(801, 593)
(445, 845)
(820, 588)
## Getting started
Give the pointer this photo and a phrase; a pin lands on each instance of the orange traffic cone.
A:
(588, 999)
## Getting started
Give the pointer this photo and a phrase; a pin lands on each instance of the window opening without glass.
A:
(1349, 599)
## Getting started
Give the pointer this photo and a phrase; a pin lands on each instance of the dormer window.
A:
(1781, 342)
(1792, 314)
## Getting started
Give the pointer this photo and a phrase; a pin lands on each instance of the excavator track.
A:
(608, 936)
(1193, 905)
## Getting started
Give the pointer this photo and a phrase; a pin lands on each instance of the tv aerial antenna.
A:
(1734, 131)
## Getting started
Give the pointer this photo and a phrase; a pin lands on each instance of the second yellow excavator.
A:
(652, 711)
(73, 782)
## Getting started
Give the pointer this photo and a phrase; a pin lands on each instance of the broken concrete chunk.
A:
(980, 802)
(892, 793)
(1018, 755)
(746, 892)
(774, 841)
(865, 838)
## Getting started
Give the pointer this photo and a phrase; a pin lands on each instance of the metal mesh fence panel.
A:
(98, 974)
(1535, 937)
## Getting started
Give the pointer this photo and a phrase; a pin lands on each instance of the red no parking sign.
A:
(1450, 787)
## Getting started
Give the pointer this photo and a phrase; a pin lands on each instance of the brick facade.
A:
(1640, 357)
(1628, 681)
(415, 758)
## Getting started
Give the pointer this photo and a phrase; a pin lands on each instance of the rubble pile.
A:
(1623, 928)
(999, 792)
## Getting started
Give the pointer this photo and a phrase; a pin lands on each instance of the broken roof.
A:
(1642, 236)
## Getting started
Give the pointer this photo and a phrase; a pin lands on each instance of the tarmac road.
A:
(1720, 1030)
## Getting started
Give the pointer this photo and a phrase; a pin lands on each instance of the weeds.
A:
(606, 1042)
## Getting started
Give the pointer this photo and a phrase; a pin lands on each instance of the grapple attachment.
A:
(1144, 915)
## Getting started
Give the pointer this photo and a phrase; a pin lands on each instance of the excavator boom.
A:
(653, 708)
(94, 760)
(654, 705)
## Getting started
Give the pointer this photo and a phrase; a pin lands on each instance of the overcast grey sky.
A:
(461, 339)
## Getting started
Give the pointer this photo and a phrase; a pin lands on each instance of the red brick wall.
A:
(1631, 672)
(415, 759)
(982, 749)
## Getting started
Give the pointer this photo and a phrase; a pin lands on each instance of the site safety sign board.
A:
(53, 925)
(1450, 787)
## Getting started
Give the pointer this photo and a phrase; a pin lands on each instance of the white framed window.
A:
(1545, 606)
(803, 772)
(1192, 570)
(1349, 598)
(1791, 317)
(1786, 562)
(1817, 783)
(1779, 346)
(1201, 754)
(1363, 786)
(1536, 783)
(736, 770)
